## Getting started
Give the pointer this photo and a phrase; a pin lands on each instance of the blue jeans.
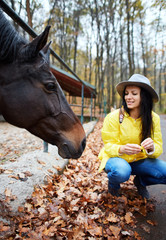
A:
(150, 171)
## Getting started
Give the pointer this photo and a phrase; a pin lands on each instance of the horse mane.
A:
(10, 40)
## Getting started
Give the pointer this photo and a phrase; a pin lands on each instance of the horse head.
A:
(31, 98)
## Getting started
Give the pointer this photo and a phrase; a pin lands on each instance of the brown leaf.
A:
(28, 206)
(28, 174)
(8, 192)
(20, 209)
(137, 236)
(8, 171)
(12, 160)
(97, 231)
(75, 191)
(143, 210)
(75, 201)
(78, 233)
(128, 217)
(115, 230)
(50, 171)
(13, 176)
(145, 228)
(81, 219)
(163, 191)
(2, 170)
(113, 218)
(57, 168)
(41, 162)
(153, 223)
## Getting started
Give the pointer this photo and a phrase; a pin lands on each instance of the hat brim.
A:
(122, 85)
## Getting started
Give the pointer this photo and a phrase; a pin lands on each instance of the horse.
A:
(30, 96)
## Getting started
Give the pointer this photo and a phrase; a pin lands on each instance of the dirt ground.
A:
(14, 142)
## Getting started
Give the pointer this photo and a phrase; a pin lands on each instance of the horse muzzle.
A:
(67, 150)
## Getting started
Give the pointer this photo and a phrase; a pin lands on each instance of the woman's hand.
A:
(130, 149)
(148, 144)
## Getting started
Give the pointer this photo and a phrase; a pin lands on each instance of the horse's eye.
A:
(50, 86)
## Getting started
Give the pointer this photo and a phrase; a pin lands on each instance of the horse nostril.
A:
(83, 144)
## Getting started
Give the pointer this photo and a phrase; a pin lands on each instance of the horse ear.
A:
(39, 42)
(32, 49)
(46, 51)
(46, 47)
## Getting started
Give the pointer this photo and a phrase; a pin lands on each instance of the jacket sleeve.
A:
(110, 134)
(157, 137)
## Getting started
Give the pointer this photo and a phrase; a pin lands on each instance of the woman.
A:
(132, 139)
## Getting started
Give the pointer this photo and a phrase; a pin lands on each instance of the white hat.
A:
(140, 81)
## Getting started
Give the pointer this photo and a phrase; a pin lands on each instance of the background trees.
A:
(105, 41)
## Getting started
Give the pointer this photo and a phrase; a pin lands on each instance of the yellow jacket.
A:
(115, 134)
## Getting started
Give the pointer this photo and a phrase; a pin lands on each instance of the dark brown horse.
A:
(30, 96)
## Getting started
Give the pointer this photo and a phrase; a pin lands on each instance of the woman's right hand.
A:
(130, 149)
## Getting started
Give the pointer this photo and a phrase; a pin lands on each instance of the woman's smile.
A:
(132, 97)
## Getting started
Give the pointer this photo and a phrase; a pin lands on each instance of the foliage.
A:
(77, 205)
(105, 42)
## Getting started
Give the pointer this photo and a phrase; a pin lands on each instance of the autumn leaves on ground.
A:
(77, 205)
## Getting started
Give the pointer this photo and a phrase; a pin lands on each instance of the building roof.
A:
(71, 84)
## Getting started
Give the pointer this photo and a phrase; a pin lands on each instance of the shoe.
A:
(141, 189)
(114, 192)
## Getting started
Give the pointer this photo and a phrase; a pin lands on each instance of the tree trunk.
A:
(128, 38)
(142, 45)
(121, 45)
(90, 63)
(29, 15)
(132, 40)
(76, 29)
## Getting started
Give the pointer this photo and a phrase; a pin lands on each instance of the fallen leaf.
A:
(28, 174)
(8, 192)
(8, 171)
(163, 192)
(145, 228)
(137, 236)
(59, 169)
(128, 217)
(95, 231)
(2, 170)
(113, 218)
(28, 206)
(13, 176)
(41, 162)
(153, 223)
(50, 171)
(115, 230)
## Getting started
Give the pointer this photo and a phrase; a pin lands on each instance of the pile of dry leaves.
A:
(77, 205)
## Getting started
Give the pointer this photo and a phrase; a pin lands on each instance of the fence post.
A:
(82, 106)
(91, 106)
(94, 106)
(45, 145)
(105, 104)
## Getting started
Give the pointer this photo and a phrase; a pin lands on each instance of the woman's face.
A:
(133, 97)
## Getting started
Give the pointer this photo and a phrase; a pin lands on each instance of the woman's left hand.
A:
(148, 144)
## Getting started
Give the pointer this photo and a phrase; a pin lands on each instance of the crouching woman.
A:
(132, 139)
